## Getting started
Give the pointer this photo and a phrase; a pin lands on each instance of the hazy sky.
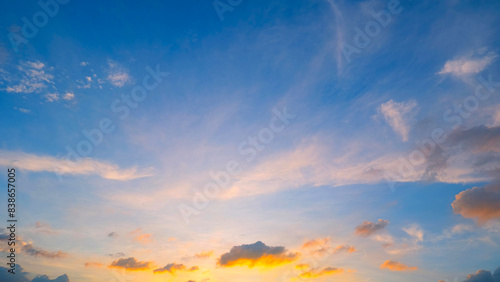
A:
(234, 140)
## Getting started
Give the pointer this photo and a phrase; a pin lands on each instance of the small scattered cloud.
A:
(319, 246)
(257, 254)
(112, 235)
(204, 254)
(68, 96)
(141, 237)
(94, 264)
(396, 266)
(479, 203)
(344, 248)
(118, 76)
(174, 267)
(51, 97)
(399, 116)
(131, 264)
(84, 64)
(23, 110)
(44, 228)
(116, 255)
(468, 65)
(31, 77)
(415, 231)
(368, 228)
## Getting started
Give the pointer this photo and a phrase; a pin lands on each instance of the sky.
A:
(234, 140)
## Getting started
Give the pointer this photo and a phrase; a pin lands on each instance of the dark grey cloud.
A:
(21, 276)
(253, 254)
(131, 264)
(45, 278)
(116, 255)
(113, 235)
(368, 228)
(32, 251)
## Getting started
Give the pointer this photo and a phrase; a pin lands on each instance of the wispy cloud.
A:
(399, 116)
(468, 64)
(88, 166)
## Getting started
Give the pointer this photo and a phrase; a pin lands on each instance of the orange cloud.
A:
(303, 266)
(368, 228)
(316, 243)
(257, 254)
(204, 254)
(480, 203)
(131, 264)
(143, 238)
(396, 266)
(319, 246)
(315, 273)
(93, 264)
(174, 267)
(344, 248)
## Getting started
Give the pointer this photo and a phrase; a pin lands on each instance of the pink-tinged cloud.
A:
(396, 266)
(479, 203)
(368, 228)
(344, 248)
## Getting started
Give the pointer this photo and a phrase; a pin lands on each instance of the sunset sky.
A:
(235, 140)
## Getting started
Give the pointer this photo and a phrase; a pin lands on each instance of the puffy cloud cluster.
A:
(484, 276)
(480, 203)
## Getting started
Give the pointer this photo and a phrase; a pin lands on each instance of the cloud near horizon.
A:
(174, 267)
(257, 254)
